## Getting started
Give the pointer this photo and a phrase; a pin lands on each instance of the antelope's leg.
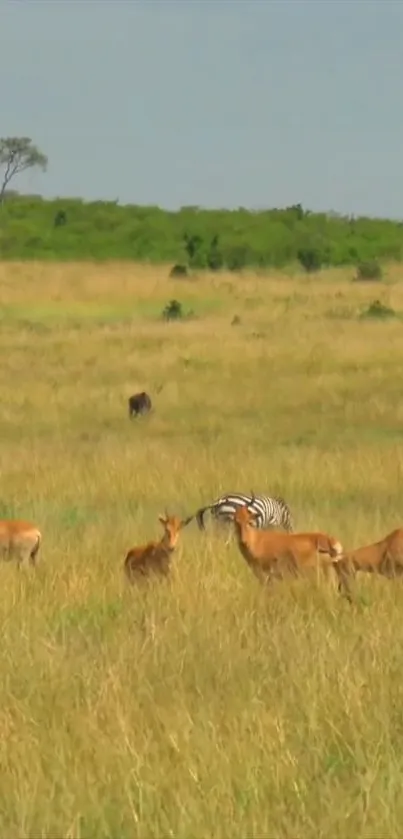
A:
(224, 526)
(344, 574)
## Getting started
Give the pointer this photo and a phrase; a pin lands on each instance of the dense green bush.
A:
(173, 311)
(178, 270)
(31, 227)
(378, 310)
(310, 258)
(369, 271)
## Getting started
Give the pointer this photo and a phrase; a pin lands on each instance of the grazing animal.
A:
(139, 403)
(155, 557)
(384, 557)
(19, 539)
(273, 555)
(268, 512)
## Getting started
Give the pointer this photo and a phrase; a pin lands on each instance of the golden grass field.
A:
(206, 707)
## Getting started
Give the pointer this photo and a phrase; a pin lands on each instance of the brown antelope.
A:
(275, 555)
(20, 539)
(155, 557)
(384, 557)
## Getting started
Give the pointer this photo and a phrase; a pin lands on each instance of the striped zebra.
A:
(270, 512)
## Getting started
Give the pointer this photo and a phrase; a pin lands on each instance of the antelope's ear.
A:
(187, 521)
(162, 519)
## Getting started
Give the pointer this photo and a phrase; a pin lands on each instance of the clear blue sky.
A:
(220, 103)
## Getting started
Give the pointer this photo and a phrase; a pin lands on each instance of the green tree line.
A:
(70, 229)
(191, 238)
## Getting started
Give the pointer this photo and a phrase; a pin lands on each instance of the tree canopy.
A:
(16, 155)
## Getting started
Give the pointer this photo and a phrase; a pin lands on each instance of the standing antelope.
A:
(155, 557)
(274, 555)
(21, 539)
(384, 557)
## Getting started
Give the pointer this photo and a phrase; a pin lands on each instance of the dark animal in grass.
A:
(139, 403)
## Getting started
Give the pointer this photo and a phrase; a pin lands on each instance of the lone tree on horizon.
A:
(16, 155)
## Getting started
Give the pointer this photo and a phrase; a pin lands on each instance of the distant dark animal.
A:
(139, 403)
(269, 512)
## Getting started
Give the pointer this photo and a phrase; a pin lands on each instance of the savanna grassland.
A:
(205, 707)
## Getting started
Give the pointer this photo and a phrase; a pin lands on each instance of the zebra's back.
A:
(269, 512)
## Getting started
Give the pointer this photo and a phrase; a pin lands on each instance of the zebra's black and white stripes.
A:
(269, 512)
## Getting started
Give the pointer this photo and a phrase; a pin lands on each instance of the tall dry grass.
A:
(204, 707)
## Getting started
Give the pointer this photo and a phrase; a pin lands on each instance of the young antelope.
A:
(155, 557)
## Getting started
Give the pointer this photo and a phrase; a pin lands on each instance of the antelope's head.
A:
(172, 526)
(243, 517)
